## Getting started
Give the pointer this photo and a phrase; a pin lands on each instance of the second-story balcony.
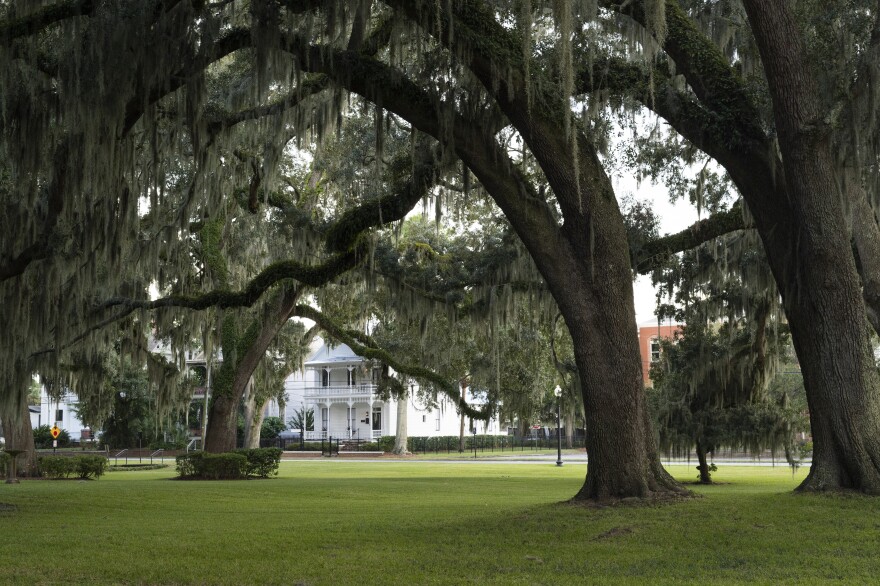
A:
(359, 392)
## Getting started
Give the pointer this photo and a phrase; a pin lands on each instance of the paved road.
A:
(573, 459)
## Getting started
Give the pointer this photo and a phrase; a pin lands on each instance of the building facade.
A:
(650, 335)
(342, 390)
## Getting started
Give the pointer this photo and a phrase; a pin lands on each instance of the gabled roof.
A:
(337, 355)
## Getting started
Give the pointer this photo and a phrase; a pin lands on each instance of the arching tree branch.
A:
(655, 252)
(364, 345)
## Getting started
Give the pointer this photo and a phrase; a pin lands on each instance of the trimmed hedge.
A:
(237, 465)
(83, 467)
(261, 462)
(451, 442)
(294, 446)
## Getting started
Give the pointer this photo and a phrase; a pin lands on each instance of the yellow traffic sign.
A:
(55, 432)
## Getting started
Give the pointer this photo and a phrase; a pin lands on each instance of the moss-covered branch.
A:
(716, 84)
(363, 345)
(312, 275)
(412, 178)
(37, 21)
(655, 252)
(42, 246)
(218, 119)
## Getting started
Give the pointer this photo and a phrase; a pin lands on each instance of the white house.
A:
(62, 413)
(342, 390)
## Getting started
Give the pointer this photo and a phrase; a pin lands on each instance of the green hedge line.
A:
(304, 447)
(237, 465)
(66, 466)
(451, 443)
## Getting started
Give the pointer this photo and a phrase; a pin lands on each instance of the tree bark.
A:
(569, 429)
(221, 434)
(20, 436)
(461, 425)
(253, 417)
(866, 236)
(401, 435)
(815, 270)
(703, 467)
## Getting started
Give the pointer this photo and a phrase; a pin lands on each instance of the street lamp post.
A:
(558, 392)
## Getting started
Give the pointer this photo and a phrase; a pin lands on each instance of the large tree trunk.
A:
(866, 236)
(242, 361)
(618, 425)
(462, 419)
(703, 467)
(253, 417)
(569, 429)
(257, 427)
(401, 436)
(816, 272)
(20, 436)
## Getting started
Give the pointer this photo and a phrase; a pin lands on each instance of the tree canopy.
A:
(144, 143)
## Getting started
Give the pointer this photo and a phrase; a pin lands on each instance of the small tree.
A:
(303, 420)
(271, 427)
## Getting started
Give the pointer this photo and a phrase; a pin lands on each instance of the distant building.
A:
(650, 335)
(342, 389)
(61, 412)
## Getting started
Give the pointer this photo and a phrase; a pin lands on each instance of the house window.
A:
(351, 377)
(377, 420)
(325, 418)
(424, 418)
(655, 349)
(59, 415)
(325, 377)
(437, 421)
(376, 376)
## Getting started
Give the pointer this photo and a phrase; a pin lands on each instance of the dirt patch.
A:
(652, 500)
(613, 532)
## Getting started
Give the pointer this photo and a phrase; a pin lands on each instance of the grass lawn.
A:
(336, 522)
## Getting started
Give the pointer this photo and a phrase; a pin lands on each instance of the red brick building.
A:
(650, 335)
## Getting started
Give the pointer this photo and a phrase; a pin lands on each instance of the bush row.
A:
(237, 465)
(450, 443)
(295, 446)
(67, 466)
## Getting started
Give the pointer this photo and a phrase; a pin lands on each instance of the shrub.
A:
(294, 446)
(65, 466)
(227, 466)
(189, 464)
(57, 466)
(261, 462)
(271, 427)
(90, 466)
(386, 443)
(43, 438)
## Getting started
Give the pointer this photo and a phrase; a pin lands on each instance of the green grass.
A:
(336, 522)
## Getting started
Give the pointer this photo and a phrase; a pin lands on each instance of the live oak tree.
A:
(573, 229)
(798, 193)
(461, 71)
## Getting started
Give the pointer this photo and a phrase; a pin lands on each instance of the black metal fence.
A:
(424, 445)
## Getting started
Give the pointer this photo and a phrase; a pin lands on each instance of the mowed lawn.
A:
(335, 522)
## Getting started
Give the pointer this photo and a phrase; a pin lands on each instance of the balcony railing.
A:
(362, 390)
(319, 435)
